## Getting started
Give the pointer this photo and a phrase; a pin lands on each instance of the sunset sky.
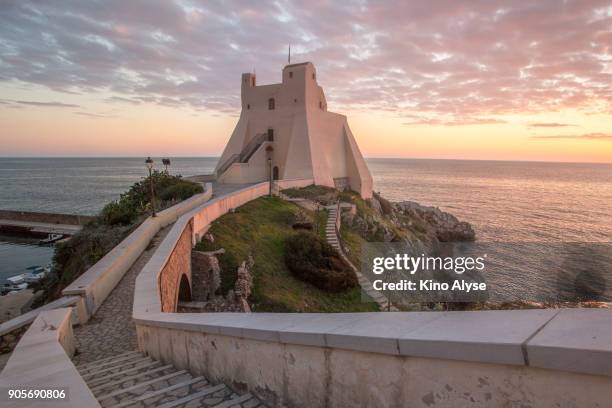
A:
(503, 80)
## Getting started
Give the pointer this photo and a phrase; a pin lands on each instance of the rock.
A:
(375, 204)
(206, 275)
(244, 282)
(384, 205)
(348, 217)
(447, 226)
(243, 285)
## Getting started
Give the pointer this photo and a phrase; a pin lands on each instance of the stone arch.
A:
(184, 292)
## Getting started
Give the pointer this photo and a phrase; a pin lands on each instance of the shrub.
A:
(312, 260)
(179, 191)
(116, 220)
(117, 213)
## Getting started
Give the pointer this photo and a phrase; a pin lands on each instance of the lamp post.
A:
(166, 163)
(269, 151)
(149, 164)
(270, 176)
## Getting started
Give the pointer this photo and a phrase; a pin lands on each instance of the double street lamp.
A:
(166, 163)
(149, 164)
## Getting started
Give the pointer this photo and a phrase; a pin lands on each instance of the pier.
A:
(39, 224)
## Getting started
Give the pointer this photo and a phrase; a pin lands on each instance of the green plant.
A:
(114, 222)
(313, 260)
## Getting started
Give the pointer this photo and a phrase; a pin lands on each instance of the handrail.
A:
(252, 146)
(226, 165)
(245, 154)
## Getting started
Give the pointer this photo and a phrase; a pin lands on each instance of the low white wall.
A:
(41, 361)
(286, 367)
(78, 317)
(483, 358)
(98, 281)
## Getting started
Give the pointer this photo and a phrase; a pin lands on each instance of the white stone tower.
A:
(289, 124)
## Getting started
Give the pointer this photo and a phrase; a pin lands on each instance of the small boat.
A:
(51, 238)
(13, 287)
(17, 279)
(36, 273)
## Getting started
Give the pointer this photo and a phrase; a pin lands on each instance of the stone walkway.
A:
(111, 330)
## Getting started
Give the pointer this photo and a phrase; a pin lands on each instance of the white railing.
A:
(41, 363)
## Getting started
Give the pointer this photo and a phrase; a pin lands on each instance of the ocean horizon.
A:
(526, 207)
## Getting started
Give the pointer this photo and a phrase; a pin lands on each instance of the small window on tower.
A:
(290, 74)
(248, 106)
(313, 76)
(271, 104)
(270, 135)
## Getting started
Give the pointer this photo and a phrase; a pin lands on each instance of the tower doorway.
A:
(275, 173)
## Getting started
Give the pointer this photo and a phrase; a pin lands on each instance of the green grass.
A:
(260, 228)
(311, 192)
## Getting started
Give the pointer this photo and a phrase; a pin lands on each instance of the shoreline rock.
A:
(447, 227)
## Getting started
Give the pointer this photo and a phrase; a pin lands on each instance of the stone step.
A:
(103, 360)
(191, 397)
(106, 386)
(161, 392)
(100, 380)
(144, 382)
(118, 367)
(140, 385)
(85, 371)
(234, 401)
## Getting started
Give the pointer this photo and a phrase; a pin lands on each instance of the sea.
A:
(523, 211)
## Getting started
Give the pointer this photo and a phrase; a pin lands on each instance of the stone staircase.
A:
(133, 379)
(331, 236)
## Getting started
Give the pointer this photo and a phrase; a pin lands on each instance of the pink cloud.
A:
(445, 60)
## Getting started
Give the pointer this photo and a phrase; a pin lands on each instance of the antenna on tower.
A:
(289, 56)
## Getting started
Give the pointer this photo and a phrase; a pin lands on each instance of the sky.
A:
(499, 80)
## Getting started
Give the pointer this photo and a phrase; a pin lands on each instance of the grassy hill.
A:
(260, 229)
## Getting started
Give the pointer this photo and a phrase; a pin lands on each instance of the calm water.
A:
(507, 202)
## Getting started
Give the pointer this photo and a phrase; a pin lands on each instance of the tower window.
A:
(248, 106)
(270, 135)
(271, 104)
(313, 76)
(290, 74)
(295, 100)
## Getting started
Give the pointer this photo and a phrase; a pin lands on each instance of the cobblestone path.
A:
(111, 330)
